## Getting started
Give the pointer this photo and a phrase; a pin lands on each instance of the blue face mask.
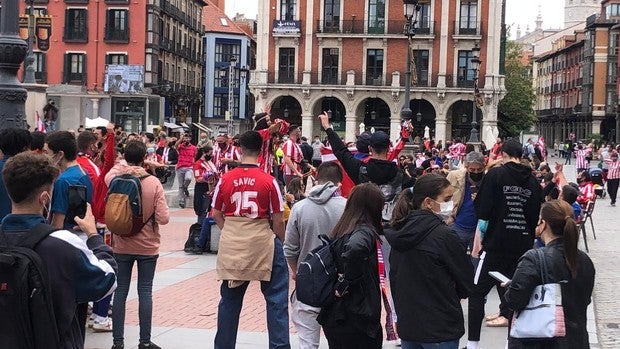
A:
(150, 150)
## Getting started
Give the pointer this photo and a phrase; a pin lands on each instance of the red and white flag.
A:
(347, 184)
(40, 124)
(543, 148)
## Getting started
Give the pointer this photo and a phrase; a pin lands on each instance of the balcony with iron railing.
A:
(114, 35)
(74, 35)
(467, 28)
(371, 28)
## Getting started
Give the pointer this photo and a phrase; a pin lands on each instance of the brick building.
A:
(576, 82)
(162, 37)
(224, 41)
(349, 57)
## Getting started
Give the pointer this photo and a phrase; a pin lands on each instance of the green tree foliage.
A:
(516, 110)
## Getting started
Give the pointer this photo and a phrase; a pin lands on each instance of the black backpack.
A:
(317, 276)
(390, 190)
(27, 320)
(192, 238)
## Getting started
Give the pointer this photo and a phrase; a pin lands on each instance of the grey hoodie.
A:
(311, 217)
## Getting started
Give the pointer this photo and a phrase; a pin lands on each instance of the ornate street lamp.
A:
(475, 64)
(418, 117)
(373, 115)
(411, 9)
(12, 52)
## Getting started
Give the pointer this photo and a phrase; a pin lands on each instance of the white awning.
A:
(171, 125)
(184, 125)
(202, 127)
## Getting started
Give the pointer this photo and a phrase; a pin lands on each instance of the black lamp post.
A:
(475, 64)
(29, 77)
(411, 8)
(12, 52)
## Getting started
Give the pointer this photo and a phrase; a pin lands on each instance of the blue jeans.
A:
(102, 307)
(146, 273)
(443, 345)
(276, 297)
(205, 232)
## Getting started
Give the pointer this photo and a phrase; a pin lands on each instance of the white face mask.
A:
(47, 207)
(445, 209)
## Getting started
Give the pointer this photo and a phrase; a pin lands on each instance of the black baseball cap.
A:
(380, 140)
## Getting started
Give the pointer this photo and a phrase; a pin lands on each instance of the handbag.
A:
(543, 317)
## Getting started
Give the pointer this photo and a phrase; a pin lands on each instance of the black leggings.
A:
(484, 284)
(612, 189)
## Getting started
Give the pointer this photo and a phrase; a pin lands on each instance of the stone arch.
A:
(287, 107)
(459, 116)
(376, 114)
(427, 116)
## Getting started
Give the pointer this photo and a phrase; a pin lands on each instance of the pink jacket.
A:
(147, 241)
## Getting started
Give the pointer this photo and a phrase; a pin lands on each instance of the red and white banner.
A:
(40, 125)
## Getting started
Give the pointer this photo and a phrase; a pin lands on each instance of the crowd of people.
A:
(412, 233)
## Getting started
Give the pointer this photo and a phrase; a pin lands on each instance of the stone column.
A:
(395, 123)
(596, 127)
(96, 107)
(350, 126)
(307, 125)
(441, 130)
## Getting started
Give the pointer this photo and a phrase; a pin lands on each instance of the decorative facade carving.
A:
(441, 96)
(305, 91)
(396, 95)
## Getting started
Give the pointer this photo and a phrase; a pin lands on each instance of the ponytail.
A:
(402, 208)
(559, 216)
(571, 236)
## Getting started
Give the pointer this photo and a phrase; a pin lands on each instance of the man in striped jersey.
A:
(580, 154)
(225, 155)
(292, 155)
(613, 176)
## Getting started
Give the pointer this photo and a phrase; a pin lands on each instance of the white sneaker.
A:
(104, 325)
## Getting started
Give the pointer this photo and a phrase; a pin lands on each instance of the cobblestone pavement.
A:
(186, 294)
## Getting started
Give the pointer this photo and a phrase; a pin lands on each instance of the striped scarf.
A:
(389, 317)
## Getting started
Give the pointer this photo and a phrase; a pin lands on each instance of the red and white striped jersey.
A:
(586, 193)
(580, 155)
(613, 168)
(231, 152)
(457, 150)
(292, 150)
(265, 157)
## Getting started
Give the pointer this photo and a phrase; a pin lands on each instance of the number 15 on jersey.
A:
(245, 204)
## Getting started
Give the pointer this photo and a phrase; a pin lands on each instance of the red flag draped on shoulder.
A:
(347, 183)
(40, 124)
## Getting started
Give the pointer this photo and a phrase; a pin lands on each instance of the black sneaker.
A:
(196, 250)
(181, 204)
(148, 345)
(118, 346)
(186, 191)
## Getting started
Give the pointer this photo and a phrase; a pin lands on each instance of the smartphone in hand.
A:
(499, 277)
(77, 202)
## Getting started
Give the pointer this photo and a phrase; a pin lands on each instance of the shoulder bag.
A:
(543, 317)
